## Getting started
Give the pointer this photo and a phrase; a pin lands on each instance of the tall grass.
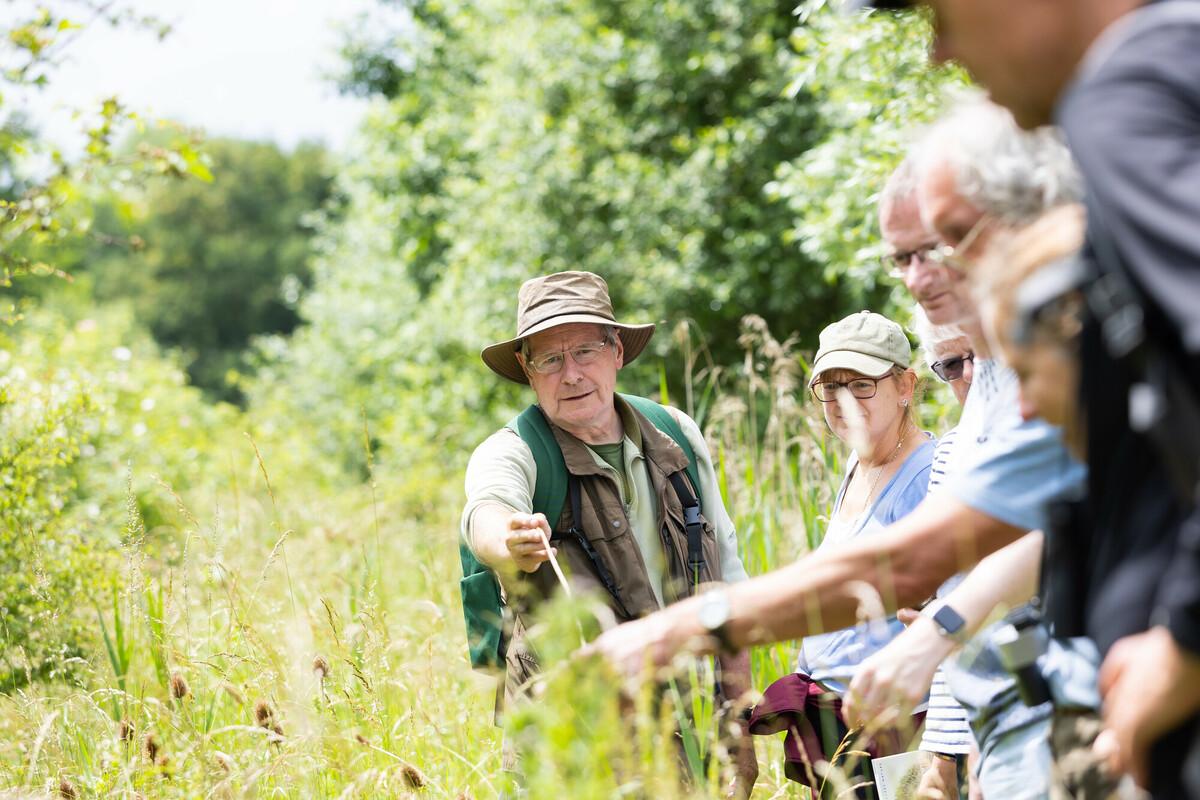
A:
(299, 643)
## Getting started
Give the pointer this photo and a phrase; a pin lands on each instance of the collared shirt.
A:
(1009, 469)
(1006, 467)
(502, 471)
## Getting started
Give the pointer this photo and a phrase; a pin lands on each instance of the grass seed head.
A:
(66, 790)
(126, 731)
(222, 761)
(179, 686)
(234, 692)
(150, 744)
(320, 668)
(413, 777)
(263, 713)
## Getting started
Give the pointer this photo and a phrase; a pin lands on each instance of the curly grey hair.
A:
(1007, 172)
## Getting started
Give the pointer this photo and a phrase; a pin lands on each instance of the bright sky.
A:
(247, 68)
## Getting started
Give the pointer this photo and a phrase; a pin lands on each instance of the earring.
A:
(904, 403)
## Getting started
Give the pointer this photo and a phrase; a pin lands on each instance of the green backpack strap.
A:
(662, 419)
(483, 608)
(482, 605)
(550, 488)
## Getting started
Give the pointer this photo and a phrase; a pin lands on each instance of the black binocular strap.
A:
(576, 532)
(692, 525)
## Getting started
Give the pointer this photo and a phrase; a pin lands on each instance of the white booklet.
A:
(897, 777)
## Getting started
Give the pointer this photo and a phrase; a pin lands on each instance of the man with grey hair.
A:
(999, 485)
(973, 174)
(637, 519)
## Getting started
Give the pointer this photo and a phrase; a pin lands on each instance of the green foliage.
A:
(873, 89)
(89, 404)
(206, 265)
(41, 189)
(709, 159)
(43, 561)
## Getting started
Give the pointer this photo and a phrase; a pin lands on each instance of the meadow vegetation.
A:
(229, 567)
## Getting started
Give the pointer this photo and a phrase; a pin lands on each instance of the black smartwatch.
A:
(948, 621)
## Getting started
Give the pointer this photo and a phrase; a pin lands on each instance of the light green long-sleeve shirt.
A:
(502, 471)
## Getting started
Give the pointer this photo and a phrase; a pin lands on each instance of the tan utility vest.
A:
(607, 527)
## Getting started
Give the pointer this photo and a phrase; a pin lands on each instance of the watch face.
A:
(949, 620)
(714, 611)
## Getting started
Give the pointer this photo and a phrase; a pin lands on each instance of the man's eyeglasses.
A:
(951, 369)
(551, 363)
(897, 264)
(941, 255)
(860, 388)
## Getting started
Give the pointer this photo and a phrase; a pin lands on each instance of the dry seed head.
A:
(223, 762)
(66, 790)
(263, 713)
(179, 686)
(126, 731)
(362, 739)
(413, 777)
(234, 692)
(151, 747)
(277, 729)
(320, 668)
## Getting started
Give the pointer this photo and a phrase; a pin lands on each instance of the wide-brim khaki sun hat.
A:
(867, 343)
(561, 299)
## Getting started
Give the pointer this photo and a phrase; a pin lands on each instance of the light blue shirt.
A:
(1010, 470)
(832, 658)
(1006, 467)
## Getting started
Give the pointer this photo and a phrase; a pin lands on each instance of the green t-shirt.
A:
(614, 456)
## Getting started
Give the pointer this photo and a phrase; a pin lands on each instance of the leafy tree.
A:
(679, 149)
(55, 415)
(208, 265)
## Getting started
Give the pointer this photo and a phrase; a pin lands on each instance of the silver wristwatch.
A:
(715, 611)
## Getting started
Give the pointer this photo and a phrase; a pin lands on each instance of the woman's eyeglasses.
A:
(860, 388)
(951, 369)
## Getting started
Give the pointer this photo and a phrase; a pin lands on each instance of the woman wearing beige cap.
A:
(862, 379)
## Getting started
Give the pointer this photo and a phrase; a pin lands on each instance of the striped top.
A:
(946, 728)
(941, 458)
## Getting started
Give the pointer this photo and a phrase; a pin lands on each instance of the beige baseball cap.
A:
(867, 343)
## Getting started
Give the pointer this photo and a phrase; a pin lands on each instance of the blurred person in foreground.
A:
(975, 176)
(1001, 481)
(1034, 311)
(1122, 78)
(863, 381)
(636, 529)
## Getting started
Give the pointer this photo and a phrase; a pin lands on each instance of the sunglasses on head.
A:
(951, 369)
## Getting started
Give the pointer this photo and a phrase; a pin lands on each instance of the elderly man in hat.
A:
(642, 523)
